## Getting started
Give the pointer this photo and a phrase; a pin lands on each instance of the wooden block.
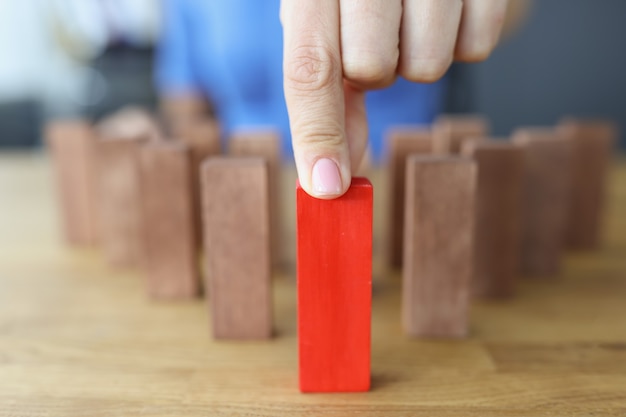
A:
(546, 196)
(130, 123)
(181, 110)
(450, 131)
(265, 143)
(497, 234)
(401, 142)
(120, 209)
(335, 289)
(169, 238)
(438, 245)
(202, 136)
(72, 143)
(592, 144)
(236, 237)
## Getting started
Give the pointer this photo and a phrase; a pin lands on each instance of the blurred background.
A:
(63, 58)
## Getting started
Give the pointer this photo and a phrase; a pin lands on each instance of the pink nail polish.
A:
(326, 178)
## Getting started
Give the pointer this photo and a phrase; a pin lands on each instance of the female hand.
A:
(335, 50)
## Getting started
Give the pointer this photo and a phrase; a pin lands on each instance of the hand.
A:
(334, 50)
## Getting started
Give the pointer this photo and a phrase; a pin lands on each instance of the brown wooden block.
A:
(592, 142)
(265, 143)
(450, 131)
(169, 239)
(545, 198)
(130, 123)
(438, 245)
(120, 210)
(180, 110)
(72, 143)
(235, 197)
(497, 234)
(401, 142)
(202, 136)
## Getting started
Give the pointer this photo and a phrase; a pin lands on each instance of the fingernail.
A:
(326, 177)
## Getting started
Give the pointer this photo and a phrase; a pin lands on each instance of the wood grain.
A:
(120, 201)
(78, 339)
(438, 245)
(265, 143)
(335, 289)
(237, 248)
(169, 239)
(546, 197)
(72, 145)
(497, 234)
(402, 141)
(451, 131)
(592, 145)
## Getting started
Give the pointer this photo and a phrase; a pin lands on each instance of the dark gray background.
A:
(568, 59)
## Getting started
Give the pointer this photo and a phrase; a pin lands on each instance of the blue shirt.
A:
(231, 50)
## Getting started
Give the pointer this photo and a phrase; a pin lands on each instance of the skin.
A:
(335, 50)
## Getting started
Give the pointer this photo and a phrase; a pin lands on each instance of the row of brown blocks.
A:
(463, 225)
(153, 203)
(470, 214)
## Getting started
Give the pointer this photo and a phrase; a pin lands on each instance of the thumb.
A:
(313, 84)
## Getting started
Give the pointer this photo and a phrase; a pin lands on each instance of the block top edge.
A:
(358, 182)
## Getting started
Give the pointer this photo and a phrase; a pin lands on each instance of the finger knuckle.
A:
(369, 69)
(425, 69)
(311, 67)
(328, 139)
(474, 52)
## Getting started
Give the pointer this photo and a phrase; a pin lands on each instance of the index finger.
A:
(313, 84)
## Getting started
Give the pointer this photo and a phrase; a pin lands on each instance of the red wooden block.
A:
(335, 289)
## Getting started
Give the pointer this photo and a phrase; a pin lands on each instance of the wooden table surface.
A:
(78, 339)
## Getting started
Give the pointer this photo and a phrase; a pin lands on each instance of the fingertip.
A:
(475, 49)
(425, 69)
(327, 181)
(428, 36)
(480, 29)
(368, 71)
